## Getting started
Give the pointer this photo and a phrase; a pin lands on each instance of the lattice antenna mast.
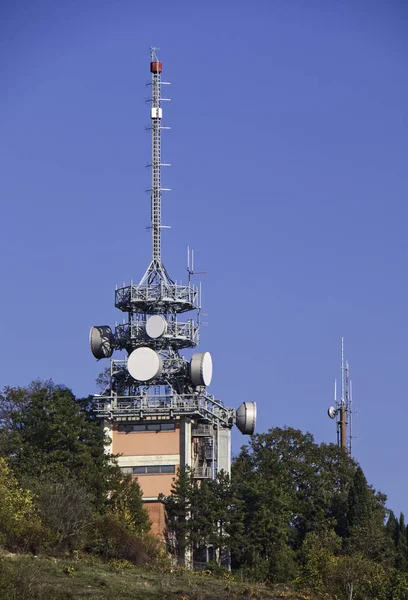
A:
(156, 270)
(156, 116)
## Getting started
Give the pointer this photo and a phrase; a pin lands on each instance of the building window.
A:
(138, 470)
(126, 428)
(168, 426)
(149, 469)
(134, 428)
(167, 469)
(153, 427)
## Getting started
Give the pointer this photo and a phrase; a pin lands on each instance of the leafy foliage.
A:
(66, 510)
(126, 503)
(58, 476)
(293, 510)
(45, 430)
(19, 522)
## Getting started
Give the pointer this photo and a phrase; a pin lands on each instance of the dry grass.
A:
(31, 578)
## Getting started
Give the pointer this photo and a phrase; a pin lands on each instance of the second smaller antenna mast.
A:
(342, 409)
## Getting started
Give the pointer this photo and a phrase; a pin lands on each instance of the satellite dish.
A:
(144, 364)
(246, 418)
(332, 412)
(201, 369)
(101, 341)
(156, 327)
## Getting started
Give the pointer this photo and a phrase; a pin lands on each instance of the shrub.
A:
(119, 565)
(20, 525)
(22, 580)
(213, 568)
(114, 540)
(66, 511)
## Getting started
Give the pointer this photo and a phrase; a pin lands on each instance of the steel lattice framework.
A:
(172, 393)
(155, 382)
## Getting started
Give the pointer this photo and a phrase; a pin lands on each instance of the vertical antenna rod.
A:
(336, 406)
(156, 68)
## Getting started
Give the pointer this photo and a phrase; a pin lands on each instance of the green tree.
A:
(47, 432)
(360, 505)
(215, 518)
(365, 528)
(203, 519)
(401, 559)
(178, 513)
(264, 498)
(316, 479)
(317, 555)
(126, 503)
(351, 577)
(391, 527)
(66, 510)
(297, 486)
(396, 533)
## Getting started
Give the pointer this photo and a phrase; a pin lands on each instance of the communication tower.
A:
(343, 408)
(156, 408)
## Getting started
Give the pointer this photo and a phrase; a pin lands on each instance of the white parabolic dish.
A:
(246, 418)
(201, 368)
(332, 412)
(144, 364)
(156, 326)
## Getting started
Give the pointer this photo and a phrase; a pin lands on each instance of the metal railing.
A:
(186, 296)
(202, 473)
(184, 333)
(169, 405)
(201, 429)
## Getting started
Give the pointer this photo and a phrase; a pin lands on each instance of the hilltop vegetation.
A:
(45, 578)
(295, 514)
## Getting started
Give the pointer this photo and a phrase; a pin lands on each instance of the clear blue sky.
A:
(289, 149)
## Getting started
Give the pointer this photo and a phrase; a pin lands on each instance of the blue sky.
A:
(289, 153)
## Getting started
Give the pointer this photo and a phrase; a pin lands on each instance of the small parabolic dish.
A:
(331, 412)
(201, 368)
(144, 364)
(101, 341)
(246, 418)
(156, 327)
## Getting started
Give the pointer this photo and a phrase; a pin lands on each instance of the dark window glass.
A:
(153, 427)
(139, 427)
(153, 469)
(124, 428)
(139, 470)
(168, 469)
(168, 426)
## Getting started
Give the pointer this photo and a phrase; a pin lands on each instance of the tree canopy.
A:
(291, 511)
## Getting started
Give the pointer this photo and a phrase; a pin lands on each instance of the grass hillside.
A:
(44, 578)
